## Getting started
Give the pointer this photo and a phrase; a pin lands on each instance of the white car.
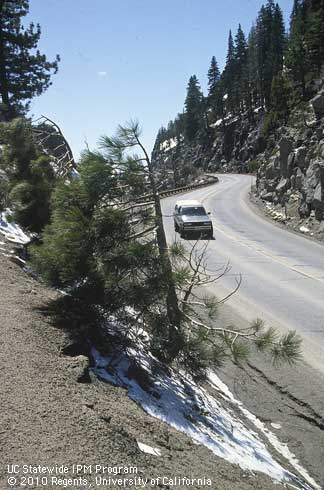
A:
(190, 217)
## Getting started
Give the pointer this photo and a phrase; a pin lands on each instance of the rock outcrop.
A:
(292, 174)
(224, 147)
(290, 161)
(318, 105)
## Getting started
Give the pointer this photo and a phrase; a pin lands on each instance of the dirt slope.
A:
(48, 418)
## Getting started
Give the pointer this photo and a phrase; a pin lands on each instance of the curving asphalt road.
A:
(282, 273)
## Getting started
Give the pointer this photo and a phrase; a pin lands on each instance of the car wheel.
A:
(176, 227)
(183, 234)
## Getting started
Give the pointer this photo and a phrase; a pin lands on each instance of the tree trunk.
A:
(173, 310)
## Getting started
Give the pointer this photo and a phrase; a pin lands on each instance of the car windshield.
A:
(194, 211)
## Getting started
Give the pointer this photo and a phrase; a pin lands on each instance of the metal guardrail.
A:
(179, 190)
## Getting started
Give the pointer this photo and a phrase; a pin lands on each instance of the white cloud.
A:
(102, 73)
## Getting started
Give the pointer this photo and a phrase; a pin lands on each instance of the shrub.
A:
(253, 166)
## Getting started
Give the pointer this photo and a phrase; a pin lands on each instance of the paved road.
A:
(283, 273)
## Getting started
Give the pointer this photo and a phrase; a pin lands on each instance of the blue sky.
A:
(124, 59)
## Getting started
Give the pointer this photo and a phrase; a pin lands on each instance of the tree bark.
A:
(173, 310)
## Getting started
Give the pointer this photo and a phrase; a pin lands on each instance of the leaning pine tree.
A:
(100, 247)
(128, 138)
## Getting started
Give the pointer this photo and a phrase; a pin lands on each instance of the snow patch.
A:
(148, 449)
(303, 229)
(258, 109)
(12, 232)
(217, 123)
(177, 400)
(274, 441)
(229, 118)
(168, 144)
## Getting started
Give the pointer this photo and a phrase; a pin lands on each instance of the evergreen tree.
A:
(278, 40)
(213, 76)
(240, 47)
(24, 71)
(160, 137)
(193, 108)
(30, 173)
(253, 79)
(315, 35)
(219, 100)
(229, 72)
(240, 69)
(270, 43)
(281, 93)
(230, 57)
(297, 59)
(179, 126)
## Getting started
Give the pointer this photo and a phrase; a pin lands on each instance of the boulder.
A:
(282, 186)
(320, 150)
(311, 181)
(318, 199)
(319, 133)
(292, 205)
(267, 196)
(290, 163)
(270, 185)
(308, 133)
(286, 147)
(299, 179)
(304, 209)
(273, 168)
(300, 156)
(318, 105)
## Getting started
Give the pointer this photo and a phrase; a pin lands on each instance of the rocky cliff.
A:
(291, 174)
(225, 146)
(289, 163)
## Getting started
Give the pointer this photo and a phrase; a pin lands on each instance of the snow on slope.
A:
(272, 438)
(12, 232)
(168, 144)
(180, 402)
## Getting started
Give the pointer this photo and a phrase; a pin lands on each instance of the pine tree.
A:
(240, 46)
(219, 100)
(278, 40)
(240, 69)
(229, 72)
(30, 173)
(230, 57)
(280, 104)
(270, 43)
(193, 108)
(253, 78)
(315, 35)
(297, 59)
(213, 76)
(281, 97)
(24, 72)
